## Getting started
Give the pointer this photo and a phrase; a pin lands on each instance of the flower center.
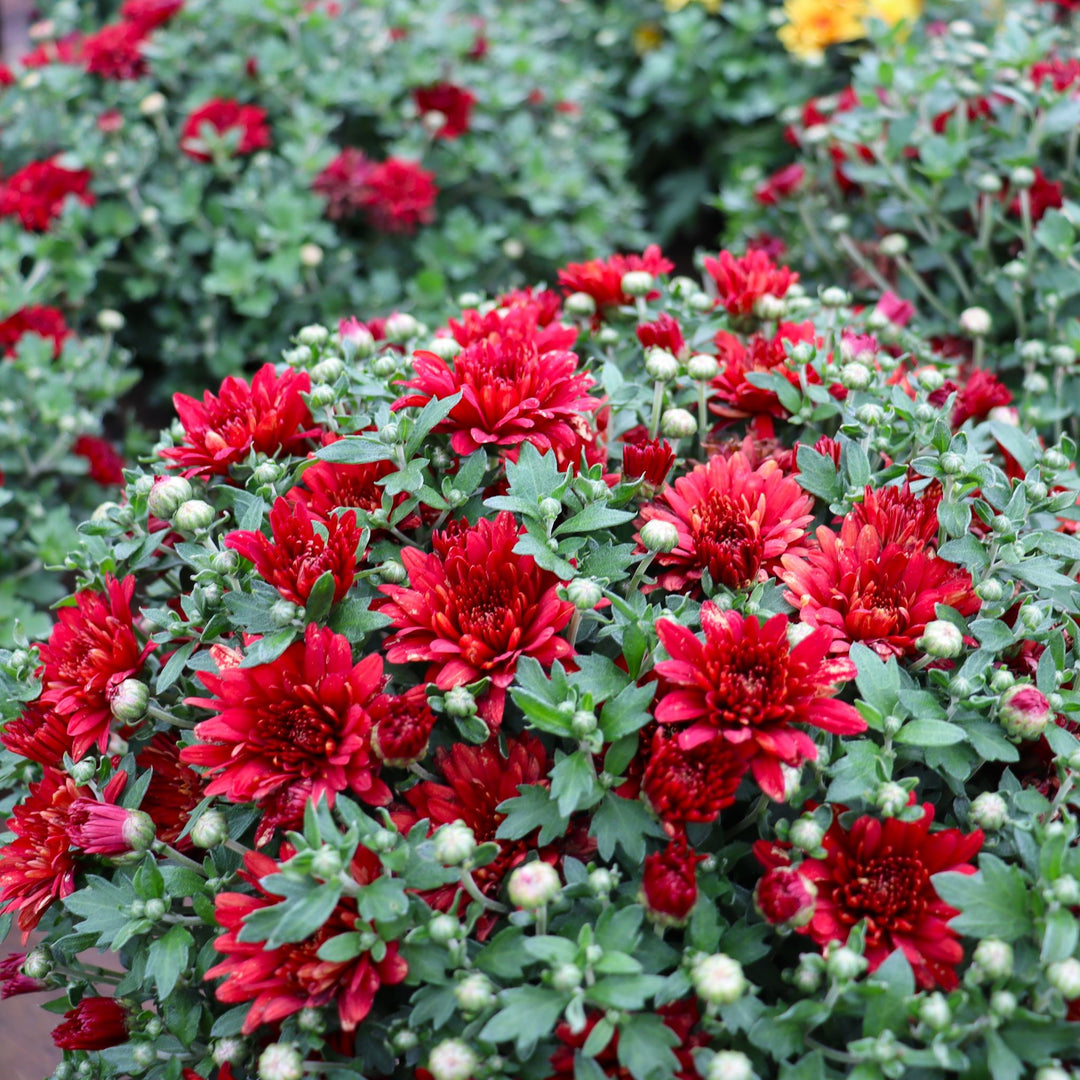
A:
(750, 688)
(298, 730)
(879, 611)
(889, 892)
(726, 540)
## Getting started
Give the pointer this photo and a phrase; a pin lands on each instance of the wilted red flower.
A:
(39, 733)
(225, 114)
(13, 982)
(692, 785)
(91, 650)
(46, 322)
(741, 282)
(402, 724)
(96, 1023)
(746, 685)
(602, 278)
(980, 393)
(514, 389)
(343, 183)
(175, 788)
(282, 981)
(37, 192)
(782, 184)
(115, 51)
(399, 196)
(664, 333)
(296, 556)
(734, 521)
(784, 897)
(269, 417)
(650, 458)
(473, 607)
(106, 466)
(862, 588)
(453, 102)
(669, 883)
(149, 14)
(878, 874)
(301, 717)
(900, 516)
(1043, 195)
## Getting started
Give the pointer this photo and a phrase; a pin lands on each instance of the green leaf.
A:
(533, 809)
(593, 518)
(930, 733)
(646, 1048)
(431, 415)
(167, 959)
(817, 474)
(504, 956)
(1004, 1064)
(354, 619)
(574, 785)
(528, 1014)
(321, 598)
(627, 712)
(175, 666)
(878, 681)
(356, 450)
(1059, 936)
(295, 919)
(992, 903)
(623, 823)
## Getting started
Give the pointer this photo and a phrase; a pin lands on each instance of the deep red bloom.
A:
(784, 897)
(68, 50)
(296, 556)
(1043, 195)
(741, 282)
(399, 196)
(781, 185)
(401, 726)
(46, 322)
(36, 194)
(664, 333)
(282, 981)
(900, 516)
(669, 883)
(225, 114)
(980, 393)
(514, 389)
(106, 466)
(13, 982)
(327, 486)
(651, 459)
(175, 788)
(473, 607)
(453, 102)
(692, 785)
(745, 684)
(862, 588)
(301, 717)
(343, 183)
(96, 1023)
(546, 303)
(99, 827)
(1062, 73)
(39, 733)
(880, 872)
(91, 650)
(734, 521)
(602, 278)
(149, 14)
(7, 77)
(529, 315)
(116, 51)
(269, 417)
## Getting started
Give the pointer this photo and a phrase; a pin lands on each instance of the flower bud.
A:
(167, 496)
(459, 702)
(550, 508)
(1022, 177)
(128, 701)
(934, 1012)
(82, 772)
(989, 811)
(770, 307)
(730, 1065)
(1024, 711)
(474, 993)
(584, 593)
(700, 302)
(975, 322)
(893, 245)
(1003, 1003)
(38, 963)
(210, 830)
(870, 415)
(834, 297)
(1053, 1072)
(678, 423)
(806, 834)
(661, 365)
(891, 799)
(284, 612)
(991, 590)
(1064, 976)
(856, 376)
(659, 536)
(602, 881)
(325, 864)
(844, 964)
(452, 1059)
(702, 367)
(580, 305)
(281, 1061)
(994, 958)
(153, 104)
(193, 516)
(454, 844)
(155, 907)
(314, 335)
(401, 327)
(143, 1055)
(1066, 890)
(311, 255)
(110, 321)
(534, 885)
(718, 979)
(785, 898)
(443, 929)
(583, 724)
(941, 638)
(311, 1019)
(392, 572)
(952, 464)
(607, 335)
(637, 283)
(989, 183)
(807, 976)
(327, 371)
(228, 1051)
(566, 978)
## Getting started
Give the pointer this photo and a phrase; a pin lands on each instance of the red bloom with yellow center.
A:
(92, 649)
(300, 718)
(473, 608)
(224, 115)
(878, 873)
(282, 981)
(741, 282)
(745, 684)
(36, 193)
(734, 521)
(296, 556)
(602, 278)
(269, 417)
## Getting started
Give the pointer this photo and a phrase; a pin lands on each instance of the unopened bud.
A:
(153, 104)
(702, 367)
(843, 963)
(452, 1059)
(210, 830)
(637, 283)
(534, 885)
(474, 993)
(110, 321)
(313, 336)
(1024, 711)
(1064, 976)
(167, 496)
(893, 245)
(730, 1065)
(311, 255)
(659, 536)
(975, 322)
(281, 1061)
(567, 978)
(941, 638)
(891, 799)
(834, 297)
(935, 1013)
(129, 701)
(806, 834)
(678, 424)
(718, 979)
(1022, 177)
(994, 958)
(661, 365)
(584, 593)
(459, 702)
(989, 811)
(454, 844)
(580, 305)
(193, 516)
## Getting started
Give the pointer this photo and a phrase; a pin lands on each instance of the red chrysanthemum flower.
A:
(878, 874)
(454, 103)
(36, 194)
(602, 278)
(513, 390)
(7, 76)
(39, 734)
(174, 791)
(399, 196)
(980, 393)
(745, 684)
(1043, 195)
(282, 981)
(664, 333)
(734, 521)
(91, 650)
(861, 588)
(296, 556)
(669, 883)
(527, 317)
(149, 14)
(269, 417)
(473, 607)
(301, 717)
(900, 516)
(546, 303)
(68, 50)
(681, 1017)
(650, 459)
(100, 827)
(401, 725)
(106, 466)
(328, 486)
(781, 185)
(115, 51)
(225, 114)
(343, 183)
(96, 1023)
(692, 785)
(1062, 73)
(741, 282)
(46, 322)
(784, 897)
(13, 982)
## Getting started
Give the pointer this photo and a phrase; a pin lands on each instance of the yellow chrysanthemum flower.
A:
(892, 11)
(711, 6)
(813, 25)
(647, 37)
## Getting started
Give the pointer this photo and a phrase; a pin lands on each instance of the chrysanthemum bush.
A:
(946, 171)
(634, 677)
(222, 172)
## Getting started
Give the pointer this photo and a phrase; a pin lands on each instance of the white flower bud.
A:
(994, 958)
(856, 376)
(167, 495)
(637, 283)
(834, 297)
(210, 830)
(281, 1061)
(193, 515)
(941, 638)
(989, 183)
(678, 424)
(459, 702)
(718, 979)
(1003, 1003)
(730, 1065)
(1022, 177)
(228, 1051)
(110, 321)
(454, 844)
(580, 305)
(770, 307)
(452, 1059)
(313, 336)
(443, 929)
(935, 1013)
(584, 593)
(474, 993)
(445, 348)
(534, 885)
(660, 536)
(975, 322)
(891, 799)
(806, 834)
(844, 963)
(989, 811)
(661, 365)
(311, 255)
(1064, 976)
(153, 104)
(567, 978)
(401, 327)
(702, 367)
(893, 245)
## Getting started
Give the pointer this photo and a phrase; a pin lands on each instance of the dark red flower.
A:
(530, 315)
(878, 874)
(36, 194)
(650, 459)
(664, 333)
(68, 50)
(100, 827)
(980, 393)
(669, 883)
(900, 516)
(343, 183)
(781, 185)
(296, 556)
(13, 982)
(602, 278)
(175, 788)
(402, 724)
(46, 322)
(784, 897)
(283, 980)
(545, 303)
(741, 282)
(96, 1023)
(746, 685)
(110, 121)
(106, 466)
(454, 103)
(399, 196)
(301, 717)
(1063, 74)
(116, 51)
(223, 115)
(39, 733)
(327, 486)
(149, 14)
(1043, 195)
(7, 77)
(91, 650)
(734, 521)
(269, 417)
(473, 607)
(692, 785)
